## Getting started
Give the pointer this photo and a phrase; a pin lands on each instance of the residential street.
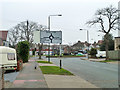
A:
(102, 75)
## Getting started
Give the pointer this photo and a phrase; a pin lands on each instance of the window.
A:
(11, 56)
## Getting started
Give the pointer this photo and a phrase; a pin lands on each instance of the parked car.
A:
(101, 54)
(79, 54)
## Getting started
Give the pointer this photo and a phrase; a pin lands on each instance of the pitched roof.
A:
(3, 35)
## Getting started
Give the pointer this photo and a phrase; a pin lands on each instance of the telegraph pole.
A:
(27, 31)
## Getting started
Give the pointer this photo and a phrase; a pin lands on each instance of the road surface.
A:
(9, 76)
(102, 75)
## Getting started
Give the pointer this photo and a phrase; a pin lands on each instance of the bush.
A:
(93, 52)
(23, 51)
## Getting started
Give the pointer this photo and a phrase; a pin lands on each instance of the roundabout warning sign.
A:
(50, 36)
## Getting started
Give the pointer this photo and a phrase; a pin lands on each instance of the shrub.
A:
(93, 52)
(23, 51)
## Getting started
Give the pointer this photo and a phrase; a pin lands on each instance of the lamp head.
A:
(59, 14)
(81, 29)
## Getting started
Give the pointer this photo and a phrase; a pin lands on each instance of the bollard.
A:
(2, 77)
(60, 64)
(35, 65)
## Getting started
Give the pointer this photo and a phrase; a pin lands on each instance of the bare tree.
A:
(13, 37)
(24, 31)
(107, 19)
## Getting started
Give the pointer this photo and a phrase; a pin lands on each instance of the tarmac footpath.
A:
(30, 77)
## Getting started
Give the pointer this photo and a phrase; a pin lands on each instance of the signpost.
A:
(47, 36)
(50, 36)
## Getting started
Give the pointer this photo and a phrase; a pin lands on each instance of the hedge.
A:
(93, 52)
(23, 51)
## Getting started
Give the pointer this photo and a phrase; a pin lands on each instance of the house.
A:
(100, 42)
(117, 43)
(3, 38)
(78, 46)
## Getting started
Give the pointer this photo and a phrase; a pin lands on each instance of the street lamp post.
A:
(49, 30)
(87, 41)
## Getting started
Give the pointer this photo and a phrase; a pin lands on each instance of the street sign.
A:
(50, 36)
(36, 37)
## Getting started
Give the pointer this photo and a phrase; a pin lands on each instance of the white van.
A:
(101, 54)
(8, 58)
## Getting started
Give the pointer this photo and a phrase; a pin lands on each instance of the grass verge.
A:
(44, 62)
(54, 70)
(108, 61)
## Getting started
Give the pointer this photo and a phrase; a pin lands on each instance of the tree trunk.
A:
(40, 49)
(106, 46)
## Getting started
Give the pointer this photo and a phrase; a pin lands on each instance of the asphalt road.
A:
(9, 76)
(102, 75)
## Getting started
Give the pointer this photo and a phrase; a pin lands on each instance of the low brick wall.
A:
(114, 55)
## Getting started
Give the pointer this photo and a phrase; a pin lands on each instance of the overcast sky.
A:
(75, 13)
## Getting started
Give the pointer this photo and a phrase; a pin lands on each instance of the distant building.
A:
(3, 38)
(100, 42)
(117, 43)
(78, 46)
(117, 39)
(54, 49)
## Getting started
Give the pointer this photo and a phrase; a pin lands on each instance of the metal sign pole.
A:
(60, 58)
(49, 52)
(35, 57)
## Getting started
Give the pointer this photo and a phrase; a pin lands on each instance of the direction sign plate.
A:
(50, 36)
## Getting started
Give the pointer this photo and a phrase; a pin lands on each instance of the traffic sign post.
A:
(50, 36)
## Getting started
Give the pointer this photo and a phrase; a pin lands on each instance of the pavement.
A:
(65, 81)
(91, 59)
(30, 77)
(33, 78)
(98, 60)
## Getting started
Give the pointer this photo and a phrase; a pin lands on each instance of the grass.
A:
(54, 70)
(44, 62)
(108, 61)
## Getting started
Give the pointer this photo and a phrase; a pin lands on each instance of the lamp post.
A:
(87, 42)
(49, 30)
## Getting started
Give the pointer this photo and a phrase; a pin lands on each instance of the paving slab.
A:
(66, 81)
(43, 64)
(30, 77)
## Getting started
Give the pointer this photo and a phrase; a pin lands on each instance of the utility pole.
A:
(49, 43)
(27, 31)
(88, 43)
